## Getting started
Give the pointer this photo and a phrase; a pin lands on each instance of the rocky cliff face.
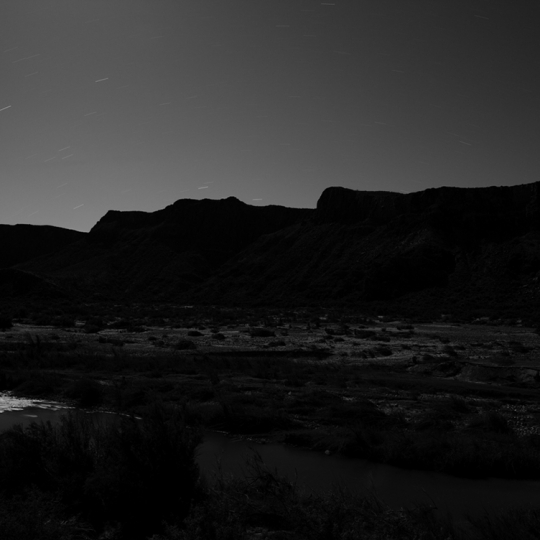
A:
(451, 246)
(341, 205)
(492, 211)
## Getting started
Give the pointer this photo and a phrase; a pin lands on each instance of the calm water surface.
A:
(318, 472)
(397, 487)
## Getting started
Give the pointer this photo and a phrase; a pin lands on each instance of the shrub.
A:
(449, 350)
(519, 524)
(126, 324)
(64, 321)
(494, 422)
(381, 350)
(261, 332)
(85, 392)
(38, 516)
(95, 321)
(364, 334)
(502, 360)
(36, 384)
(127, 474)
(92, 329)
(5, 322)
(185, 344)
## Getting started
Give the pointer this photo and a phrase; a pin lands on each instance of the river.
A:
(317, 472)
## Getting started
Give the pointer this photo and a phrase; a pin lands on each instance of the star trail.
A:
(271, 101)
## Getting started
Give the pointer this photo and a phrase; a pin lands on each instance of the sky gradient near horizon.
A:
(134, 104)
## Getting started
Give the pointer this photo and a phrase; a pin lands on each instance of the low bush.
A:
(125, 475)
(5, 322)
(261, 332)
(64, 321)
(520, 524)
(36, 384)
(489, 421)
(185, 344)
(85, 392)
(35, 515)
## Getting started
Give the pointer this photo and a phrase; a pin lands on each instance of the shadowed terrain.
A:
(382, 326)
(467, 251)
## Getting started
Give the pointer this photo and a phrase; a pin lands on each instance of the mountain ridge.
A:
(469, 247)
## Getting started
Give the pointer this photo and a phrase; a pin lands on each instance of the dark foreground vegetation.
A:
(137, 479)
(83, 477)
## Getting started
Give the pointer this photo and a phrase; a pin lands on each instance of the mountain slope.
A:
(447, 247)
(437, 250)
(22, 243)
(160, 255)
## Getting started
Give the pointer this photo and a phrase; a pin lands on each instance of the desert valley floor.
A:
(340, 383)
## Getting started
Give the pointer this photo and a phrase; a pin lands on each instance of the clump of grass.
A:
(519, 524)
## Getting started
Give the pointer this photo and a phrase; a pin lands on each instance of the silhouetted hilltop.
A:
(215, 228)
(22, 243)
(436, 250)
(163, 254)
(491, 211)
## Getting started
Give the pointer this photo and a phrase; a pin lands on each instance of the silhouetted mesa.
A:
(451, 249)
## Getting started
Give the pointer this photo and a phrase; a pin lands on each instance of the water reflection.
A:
(23, 411)
(397, 487)
(319, 473)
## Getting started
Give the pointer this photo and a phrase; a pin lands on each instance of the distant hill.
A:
(162, 255)
(22, 243)
(470, 250)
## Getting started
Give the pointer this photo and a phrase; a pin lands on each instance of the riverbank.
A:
(316, 472)
(456, 398)
(86, 479)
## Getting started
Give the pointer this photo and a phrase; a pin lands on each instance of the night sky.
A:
(134, 104)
